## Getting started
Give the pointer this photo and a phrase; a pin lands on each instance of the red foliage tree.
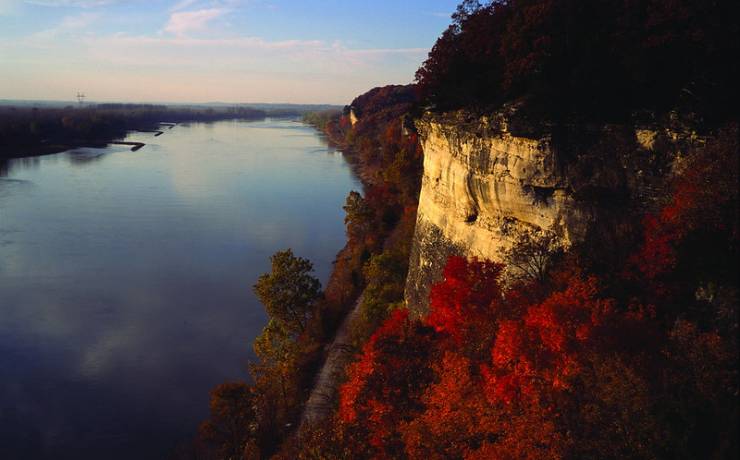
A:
(541, 351)
(383, 387)
(695, 233)
(466, 300)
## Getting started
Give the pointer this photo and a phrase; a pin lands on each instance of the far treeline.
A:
(26, 130)
(321, 118)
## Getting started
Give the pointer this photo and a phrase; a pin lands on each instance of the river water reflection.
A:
(125, 278)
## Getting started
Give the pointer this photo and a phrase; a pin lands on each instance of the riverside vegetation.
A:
(254, 419)
(623, 347)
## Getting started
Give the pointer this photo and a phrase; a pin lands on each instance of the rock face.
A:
(483, 186)
(353, 119)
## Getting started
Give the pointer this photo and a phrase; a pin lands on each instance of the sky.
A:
(299, 51)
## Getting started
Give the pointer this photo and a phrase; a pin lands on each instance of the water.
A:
(125, 278)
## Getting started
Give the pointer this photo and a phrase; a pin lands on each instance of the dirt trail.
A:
(320, 403)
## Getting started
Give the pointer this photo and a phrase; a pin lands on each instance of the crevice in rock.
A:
(542, 195)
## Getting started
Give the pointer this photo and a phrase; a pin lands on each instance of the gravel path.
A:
(320, 403)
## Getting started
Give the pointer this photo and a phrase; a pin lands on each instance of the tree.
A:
(289, 291)
(290, 296)
(231, 425)
(600, 59)
(463, 304)
(278, 353)
(531, 255)
(384, 386)
(386, 276)
(359, 216)
(458, 421)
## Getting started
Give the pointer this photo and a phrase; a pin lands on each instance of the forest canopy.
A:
(598, 60)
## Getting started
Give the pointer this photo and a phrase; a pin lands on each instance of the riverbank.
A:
(50, 149)
(26, 132)
(370, 271)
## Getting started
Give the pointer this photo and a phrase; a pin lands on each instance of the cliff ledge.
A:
(485, 182)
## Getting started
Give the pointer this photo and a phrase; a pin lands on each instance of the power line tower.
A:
(81, 98)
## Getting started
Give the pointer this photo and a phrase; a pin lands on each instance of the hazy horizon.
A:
(210, 51)
(87, 101)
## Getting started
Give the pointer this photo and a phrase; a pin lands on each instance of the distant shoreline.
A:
(31, 132)
(29, 151)
(51, 149)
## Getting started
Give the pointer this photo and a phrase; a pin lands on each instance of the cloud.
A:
(79, 21)
(177, 65)
(189, 21)
(74, 3)
(183, 4)
(67, 25)
(8, 7)
(246, 53)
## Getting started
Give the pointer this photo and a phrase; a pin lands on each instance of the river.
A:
(125, 278)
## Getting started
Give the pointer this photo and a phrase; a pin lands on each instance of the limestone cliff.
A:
(485, 182)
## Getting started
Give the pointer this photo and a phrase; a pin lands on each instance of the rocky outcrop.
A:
(353, 118)
(486, 181)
